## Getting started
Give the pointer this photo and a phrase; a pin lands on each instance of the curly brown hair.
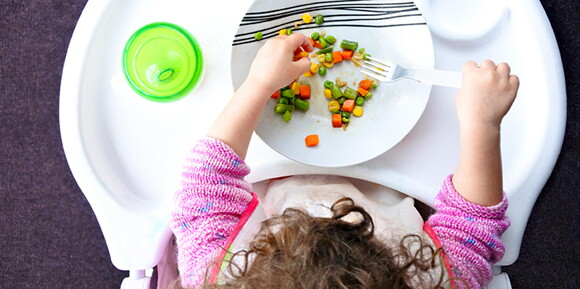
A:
(296, 250)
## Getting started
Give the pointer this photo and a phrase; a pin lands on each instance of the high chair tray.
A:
(126, 152)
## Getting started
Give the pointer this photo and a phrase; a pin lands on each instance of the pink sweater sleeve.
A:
(470, 234)
(208, 206)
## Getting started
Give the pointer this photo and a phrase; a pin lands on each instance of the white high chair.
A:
(117, 146)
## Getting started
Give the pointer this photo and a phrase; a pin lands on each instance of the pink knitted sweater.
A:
(214, 197)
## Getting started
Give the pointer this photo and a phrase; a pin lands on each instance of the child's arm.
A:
(272, 69)
(471, 206)
(484, 99)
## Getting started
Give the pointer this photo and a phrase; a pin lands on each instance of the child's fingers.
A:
(302, 65)
(469, 65)
(300, 40)
(487, 64)
(503, 68)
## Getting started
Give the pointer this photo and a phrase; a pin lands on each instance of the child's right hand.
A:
(487, 93)
(274, 66)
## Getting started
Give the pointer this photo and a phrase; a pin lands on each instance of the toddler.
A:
(228, 238)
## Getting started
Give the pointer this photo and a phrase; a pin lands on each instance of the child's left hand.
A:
(274, 66)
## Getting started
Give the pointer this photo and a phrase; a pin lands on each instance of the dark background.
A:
(49, 237)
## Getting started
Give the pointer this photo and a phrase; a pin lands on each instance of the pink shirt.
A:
(214, 201)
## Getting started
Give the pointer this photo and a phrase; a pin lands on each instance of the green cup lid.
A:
(162, 62)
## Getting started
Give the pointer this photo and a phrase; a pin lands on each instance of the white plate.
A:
(386, 29)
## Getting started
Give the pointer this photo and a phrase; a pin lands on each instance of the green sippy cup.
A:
(162, 62)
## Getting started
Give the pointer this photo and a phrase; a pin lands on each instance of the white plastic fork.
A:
(387, 71)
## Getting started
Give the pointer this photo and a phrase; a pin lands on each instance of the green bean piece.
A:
(366, 56)
(328, 84)
(345, 114)
(288, 93)
(289, 31)
(322, 70)
(282, 108)
(350, 93)
(330, 39)
(258, 35)
(344, 119)
(368, 96)
(325, 50)
(283, 100)
(319, 19)
(359, 101)
(341, 99)
(287, 116)
(336, 92)
(315, 36)
(301, 104)
(328, 57)
(335, 112)
(348, 45)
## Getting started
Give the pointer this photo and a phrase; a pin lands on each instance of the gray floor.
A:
(49, 237)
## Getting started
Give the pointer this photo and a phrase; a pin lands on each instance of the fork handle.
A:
(439, 77)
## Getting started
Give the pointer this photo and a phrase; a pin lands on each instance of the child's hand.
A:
(274, 66)
(487, 93)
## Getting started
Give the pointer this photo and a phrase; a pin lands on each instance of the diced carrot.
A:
(347, 54)
(305, 91)
(362, 91)
(276, 94)
(311, 41)
(365, 84)
(312, 140)
(317, 44)
(336, 120)
(348, 105)
(336, 56)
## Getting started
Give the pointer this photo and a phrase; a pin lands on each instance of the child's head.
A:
(295, 250)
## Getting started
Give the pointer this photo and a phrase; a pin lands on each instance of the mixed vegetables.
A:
(344, 101)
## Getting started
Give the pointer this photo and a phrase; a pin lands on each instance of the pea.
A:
(258, 35)
(319, 19)
(366, 56)
(368, 96)
(341, 100)
(359, 101)
(322, 70)
(315, 36)
(283, 100)
(323, 43)
(330, 39)
(361, 51)
(328, 84)
(328, 57)
(345, 114)
(289, 31)
(344, 119)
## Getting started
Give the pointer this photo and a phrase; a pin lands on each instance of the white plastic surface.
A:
(126, 152)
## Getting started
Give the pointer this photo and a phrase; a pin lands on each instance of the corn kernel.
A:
(307, 18)
(313, 67)
(296, 88)
(333, 105)
(357, 111)
(282, 32)
(328, 64)
(321, 58)
(327, 93)
(308, 74)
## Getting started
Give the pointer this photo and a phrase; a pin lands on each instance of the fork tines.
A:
(376, 68)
